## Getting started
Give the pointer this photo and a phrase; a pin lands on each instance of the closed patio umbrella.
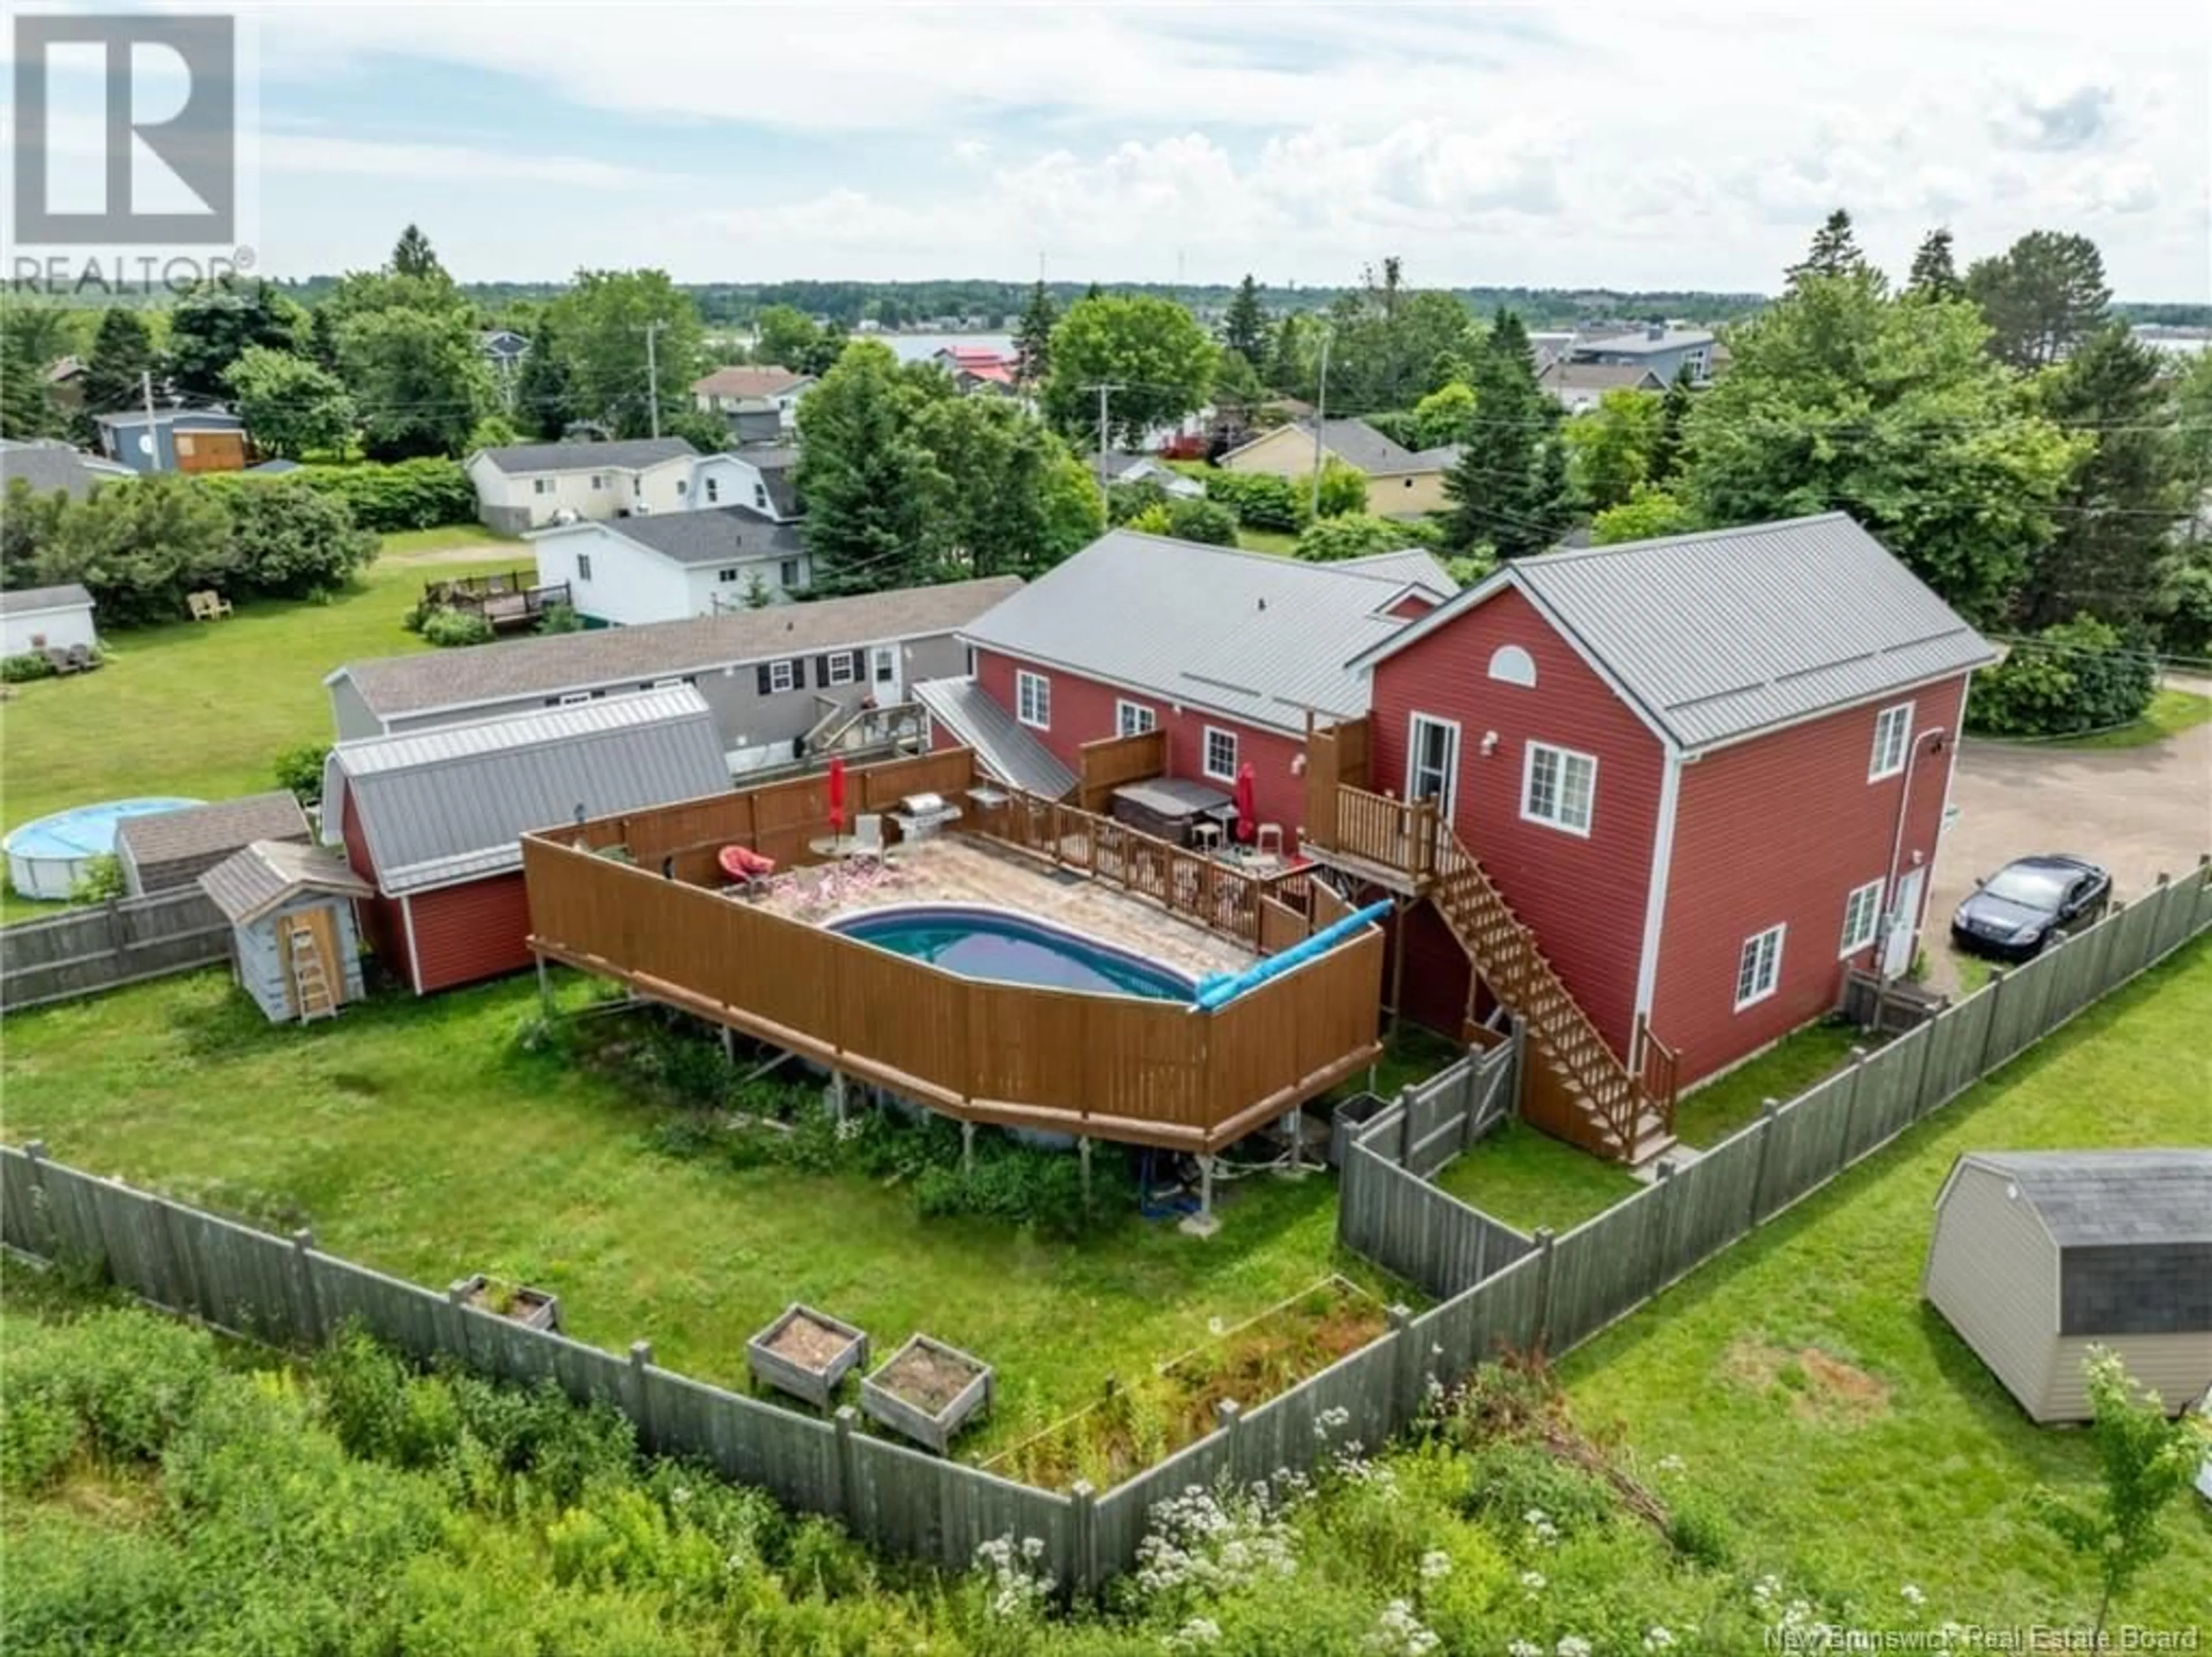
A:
(837, 794)
(1247, 806)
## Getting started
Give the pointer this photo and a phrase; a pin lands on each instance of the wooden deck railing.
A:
(1389, 834)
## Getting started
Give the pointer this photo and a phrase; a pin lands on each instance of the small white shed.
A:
(45, 619)
(295, 945)
(2039, 1255)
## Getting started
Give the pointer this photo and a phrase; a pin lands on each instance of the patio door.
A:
(1432, 763)
(1903, 925)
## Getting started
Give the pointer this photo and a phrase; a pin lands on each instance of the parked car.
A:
(2016, 911)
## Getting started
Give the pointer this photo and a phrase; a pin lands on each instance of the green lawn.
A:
(1839, 1420)
(1782, 1072)
(1279, 542)
(450, 538)
(197, 708)
(414, 1136)
(1528, 1180)
(2169, 711)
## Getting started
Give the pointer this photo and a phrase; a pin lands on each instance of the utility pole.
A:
(1104, 393)
(653, 375)
(1320, 415)
(153, 432)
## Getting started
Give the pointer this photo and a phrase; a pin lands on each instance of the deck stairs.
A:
(311, 981)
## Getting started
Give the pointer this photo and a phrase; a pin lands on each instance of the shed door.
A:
(322, 926)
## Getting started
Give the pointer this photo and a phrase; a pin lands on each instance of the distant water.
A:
(914, 347)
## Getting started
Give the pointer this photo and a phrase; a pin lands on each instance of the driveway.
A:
(2138, 811)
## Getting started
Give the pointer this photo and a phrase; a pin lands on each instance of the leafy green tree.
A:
(214, 325)
(323, 338)
(122, 355)
(1843, 397)
(1074, 510)
(786, 337)
(2076, 676)
(28, 523)
(1236, 383)
(1507, 488)
(1343, 489)
(2146, 1461)
(1244, 326)
(999, 497)
(867, 480)
(290, 405)
(1202, 520)
(139, 549)
(1153, 349)
(2181, 606)
(1356, 535)
(419, 382)
(1647, 514)
(1935, 271)
(544, 401)
(290, 539)
(1609, 449)
(412, 256)
(1834, 252)
(1446, 415)
(1673, 421)
(2042, 297)
(600, 326)
(32, 336)
(1033, 340)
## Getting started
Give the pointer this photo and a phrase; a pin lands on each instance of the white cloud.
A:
(2076, 118)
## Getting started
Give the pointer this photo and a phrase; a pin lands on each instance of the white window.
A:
(1033, 700)
(583, 566)
(725, 576)
(573, 698)
(714, 489)
(760, 495)
(1862, 916)
(541, 485)
(1220, 754)
(1511, 665)
(783, 676)
(883, 663)
(1759, 969)
(842, 668)
(1558, 786)
(1892, 735)
(788, 572)
(598, 480)
(670, 683)
(682, 487)
(1134, 719)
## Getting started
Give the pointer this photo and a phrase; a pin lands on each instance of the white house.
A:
(45, 619)
(705, 563)
(534, 485)
(736, 391)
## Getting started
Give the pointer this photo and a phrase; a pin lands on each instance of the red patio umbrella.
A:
(1247, 807)
(837, 794)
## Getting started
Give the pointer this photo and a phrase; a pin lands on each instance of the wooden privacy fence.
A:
(121, 941)
(1111, 761)
(1564, 1290)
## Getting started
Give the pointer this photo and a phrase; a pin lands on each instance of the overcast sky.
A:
(1686, 144)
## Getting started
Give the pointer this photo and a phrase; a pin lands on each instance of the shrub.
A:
(1343, 488)
(1127, 501)
(2080, 675)
(21, 670)
(99, 881)
(1260, 499)
(1202, 520)
(564, 619)
(1152, 520)
(291, 539)
(118, 1381)
(446, 628)
(300, 770)
(421, 494)
(1328, 540)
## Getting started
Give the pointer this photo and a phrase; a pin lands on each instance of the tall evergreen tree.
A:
(544, 405)
(1245, 327)
(1508, 487)
(1834, 252)
(323, 338)
(212, 326)
(412, 255)
(122, 355)
(866, 480)
(1033, 341)
(2042, 297)
(1673, 417)
(1935, 273)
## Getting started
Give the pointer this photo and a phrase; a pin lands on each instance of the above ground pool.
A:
(45, 857)
(1007, 949)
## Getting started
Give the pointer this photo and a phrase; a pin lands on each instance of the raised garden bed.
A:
(533, 1308)
(927, 1391)
(806, 1354)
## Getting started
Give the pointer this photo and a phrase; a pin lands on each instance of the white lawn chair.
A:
(868, 839)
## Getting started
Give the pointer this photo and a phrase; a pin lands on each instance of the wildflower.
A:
(680, 1495)
(1658, 1637)
(1195, 1635)
(1436, 1565)
(1533, 1580)
(1572, 1645)
(1399, 1633)
(1524, 1649)
(1912, 1596)
(1671, 1464)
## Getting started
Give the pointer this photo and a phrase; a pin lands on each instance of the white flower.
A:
(1672, 1464)
(1195, 1635)
(1572, 1645)
(1524, 1649)
(1533, 1580)
(1436, 1565)
(1912, 1595)
(1399, 1633)
(1658, 1637)
(680, 1495)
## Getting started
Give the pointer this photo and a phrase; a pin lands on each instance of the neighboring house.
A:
(1226, 651)
(276, 468)
(45, 619)
(164, 849)
(433, 821)
(1661, 351)
(533, 485)
(761, 476)
(1401, 483)
(766, 389)
(769, 676)
(1707, 772)
(45, 466)
(1123, 467)
(2038, 1256)
(174, 440)
(1577, 386)
(636, 571)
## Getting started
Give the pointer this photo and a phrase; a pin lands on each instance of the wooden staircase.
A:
(311, 982)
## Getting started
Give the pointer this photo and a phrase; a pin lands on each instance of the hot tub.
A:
(46, 855)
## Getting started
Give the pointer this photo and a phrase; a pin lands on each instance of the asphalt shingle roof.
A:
(27, 600)
(713, 535)
(764, 380)
(1255, 636)
(525, 458)
(46, 467)
(614, 656)
(220, 825)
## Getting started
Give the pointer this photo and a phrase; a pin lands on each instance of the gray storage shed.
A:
(295, 945)
(2039, 1255)
(165, 850)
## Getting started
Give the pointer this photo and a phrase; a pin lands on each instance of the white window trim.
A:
(781, 676)
(1032, 687)
(883, 663)
(575, 698)
(583, 566)
(843, 670)
(1448, 801)
(1147, 718)
(1780, 934)
(1529, 752)
(1852, 946)
(1206, 753)
(788, 573)
(671, 683)
(1876, 772)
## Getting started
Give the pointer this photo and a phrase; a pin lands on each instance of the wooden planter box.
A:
(533, 1308)
(927, 1391)
(807, 1353)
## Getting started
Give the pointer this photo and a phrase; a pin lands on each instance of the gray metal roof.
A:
(1721, 634)
(525, 458)
(29, 600)
(46, 467)
(1004, 747)
(611, 658)
(1258, 637)
(257, 878)
(447, 805)
(219, 826)
(1640, 342)
(719, 534)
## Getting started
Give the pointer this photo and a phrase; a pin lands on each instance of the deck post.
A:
(967, 1148)
(1205, 1222)
(545, 988)
(837, 1091)
(729, 1045)
(1082, 1150)
(1398, 965)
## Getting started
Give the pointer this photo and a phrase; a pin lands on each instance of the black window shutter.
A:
(760, 678)
(821, 670)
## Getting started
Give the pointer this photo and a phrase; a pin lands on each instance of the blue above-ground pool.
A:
(1009, 948)
(46, 855)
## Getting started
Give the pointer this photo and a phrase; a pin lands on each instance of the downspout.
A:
(1660, 872)
(1897, 837)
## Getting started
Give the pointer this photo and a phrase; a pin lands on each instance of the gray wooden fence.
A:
(121, 941)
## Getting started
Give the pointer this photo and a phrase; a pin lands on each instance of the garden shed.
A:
(2039, 1255)
(45, 619)
(165, 849)
(295, 946)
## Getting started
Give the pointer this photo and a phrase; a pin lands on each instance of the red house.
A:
(433, 820)
(1687, 781)
(1225, 651)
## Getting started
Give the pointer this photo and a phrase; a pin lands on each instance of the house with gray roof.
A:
(1664, 352)
(1401, 483)
(2038, 1256)
(530, 485)
(1577, 386)
(433, 821)
(45, 619)
(46, 467)
(627, 572)
(761, 476)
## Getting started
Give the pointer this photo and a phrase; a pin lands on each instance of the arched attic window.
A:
(1513, 665)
